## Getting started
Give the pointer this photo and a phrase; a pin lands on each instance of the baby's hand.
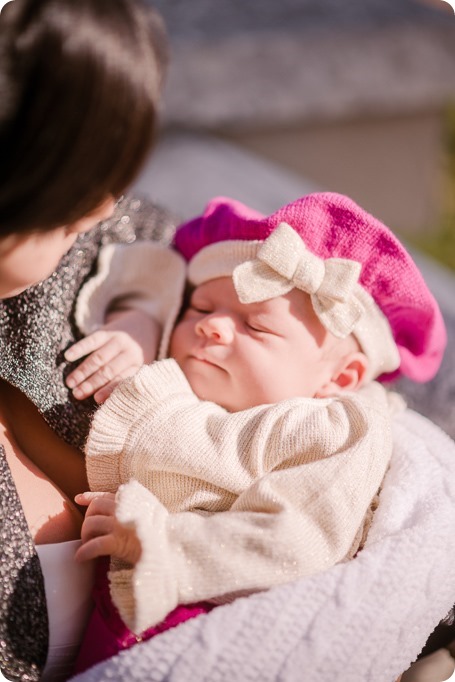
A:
(126, 342)
(102, 534)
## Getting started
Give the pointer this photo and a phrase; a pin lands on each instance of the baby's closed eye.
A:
(259, 327)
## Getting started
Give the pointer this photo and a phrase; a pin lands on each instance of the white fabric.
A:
(283, 263)
(68, 587)
(362, 621)
(143, 276)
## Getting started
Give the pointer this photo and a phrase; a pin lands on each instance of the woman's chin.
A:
(11, 293)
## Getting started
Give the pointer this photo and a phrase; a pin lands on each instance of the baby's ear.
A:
(349, 375)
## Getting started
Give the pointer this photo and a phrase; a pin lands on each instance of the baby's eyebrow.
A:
(267, 319)
(264, 308)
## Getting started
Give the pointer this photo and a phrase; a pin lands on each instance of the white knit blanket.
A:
(365, 620)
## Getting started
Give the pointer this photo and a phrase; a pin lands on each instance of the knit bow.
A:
(284, 263)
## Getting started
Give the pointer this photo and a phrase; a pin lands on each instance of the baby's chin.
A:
(204, 384)
(206, 394)
(228, 403)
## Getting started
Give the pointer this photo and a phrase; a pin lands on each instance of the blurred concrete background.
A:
(351, 95)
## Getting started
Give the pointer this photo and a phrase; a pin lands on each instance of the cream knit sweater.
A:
(225, 504)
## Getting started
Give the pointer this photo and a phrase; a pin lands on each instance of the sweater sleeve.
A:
(295, 520)
(128, 429)
(154, 423)
(144, 276)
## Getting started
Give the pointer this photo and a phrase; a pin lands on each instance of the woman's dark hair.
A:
(79, 86)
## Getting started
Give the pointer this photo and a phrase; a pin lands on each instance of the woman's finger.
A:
(101, 384)
(101, 356)
(97, 380)
(105, 391)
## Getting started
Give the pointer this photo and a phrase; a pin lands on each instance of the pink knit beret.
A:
(333, 226)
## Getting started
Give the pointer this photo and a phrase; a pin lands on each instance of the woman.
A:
(79, 85)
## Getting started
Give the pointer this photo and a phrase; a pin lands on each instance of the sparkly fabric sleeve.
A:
(23, 617)
(32, 360)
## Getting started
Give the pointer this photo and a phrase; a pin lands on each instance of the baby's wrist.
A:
(124, 312)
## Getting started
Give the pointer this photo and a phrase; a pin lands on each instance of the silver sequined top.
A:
(36, 327)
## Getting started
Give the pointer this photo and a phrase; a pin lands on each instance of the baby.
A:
(253, 455)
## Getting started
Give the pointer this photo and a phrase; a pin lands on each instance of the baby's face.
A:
(241, 355)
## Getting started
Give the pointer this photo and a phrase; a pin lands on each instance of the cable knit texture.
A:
(295, 481)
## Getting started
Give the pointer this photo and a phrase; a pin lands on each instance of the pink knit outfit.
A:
(107, 634)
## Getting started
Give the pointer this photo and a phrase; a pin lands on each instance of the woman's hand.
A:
(102, 534)
(127, 341)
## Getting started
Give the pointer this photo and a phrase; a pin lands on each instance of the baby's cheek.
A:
(177, 343)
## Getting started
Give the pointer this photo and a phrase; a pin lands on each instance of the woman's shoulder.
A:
(136, 217)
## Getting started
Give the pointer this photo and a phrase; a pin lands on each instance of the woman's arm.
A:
(59, 461)
(50, 514)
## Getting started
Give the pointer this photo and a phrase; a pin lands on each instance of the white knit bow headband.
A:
(284, 263)
(265, 269)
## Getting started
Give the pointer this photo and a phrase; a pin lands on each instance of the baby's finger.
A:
(85, 346)
(93, 364)
(110, 374)
(99, 546)
(105, 391)
(97, 526)
(87, 497)
(101, 506)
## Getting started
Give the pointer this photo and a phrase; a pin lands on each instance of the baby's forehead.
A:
(293, 303)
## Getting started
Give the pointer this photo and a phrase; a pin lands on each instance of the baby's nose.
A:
(219, 328)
